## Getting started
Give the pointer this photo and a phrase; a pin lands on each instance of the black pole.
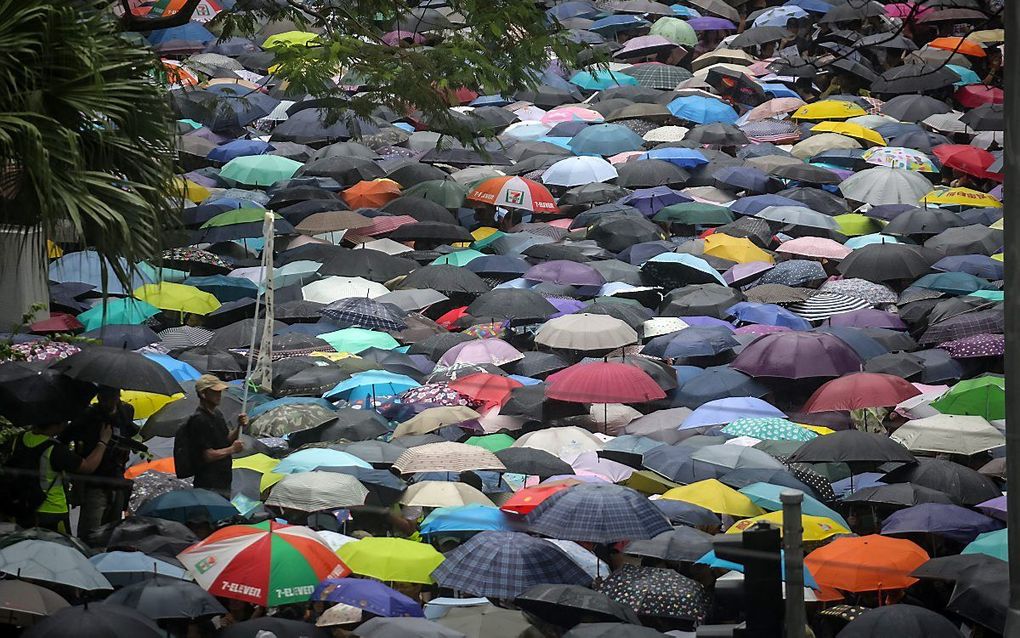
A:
(757, 549)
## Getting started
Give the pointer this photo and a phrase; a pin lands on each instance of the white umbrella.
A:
(443, 494)
(949, 434)
(883, 185)
(562, 442)
(317, 491)
(331, 289)
(577, 171)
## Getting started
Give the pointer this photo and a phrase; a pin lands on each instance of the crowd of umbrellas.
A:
(520, 386)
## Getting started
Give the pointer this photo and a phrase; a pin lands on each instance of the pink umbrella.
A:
(772, 108)
(818, 247)
(590, 462)
(620, 158)
(394, 38)
(746, 271)
(906, 10)
(572, 113)
(493, 351)
(645, 45)
(603, 382)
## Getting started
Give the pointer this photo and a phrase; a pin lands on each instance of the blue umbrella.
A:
(308, 459)
(651, 200)
(952, 521)
(615, 23)
(967, 76)
(371, 384)
(954, 283)
(601, 80)
(865, 347)
(225, 288)
(682, 157)
(238, 148)
(865, 240)
(702, 110)
(845, 487)
(89, 268)
(754, 204)
(506, 564)
(779, 16)
(778, 90)
(368, 595)
(766, 496)
(124, 568)
(178, 369)
(691, 342)
(723, 411)
(606, 139)
(572, 9)
(976, 265)
(597, 513)
(717, 383)
(186, 505)
(676, 464)
(188, 32)
(712, 560)
(744, 178)
(767, 314)
(464, 518)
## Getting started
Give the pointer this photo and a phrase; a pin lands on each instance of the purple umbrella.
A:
(651, 200)
(760, 329)
(797, 355)
(994, 507)
(743, 272)
(709, 23)
(702, 321)
(952, 521)
(868, 318)
(565, 306)
(981, 345)
(563, 272)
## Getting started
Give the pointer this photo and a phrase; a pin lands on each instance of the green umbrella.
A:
(492, 442)
(675, 30)
(479, 244)
(694, 213)
(259, 170)
(238, 216)
(117, 311)
(983, 396)
(356, 340)
(447, 193)
(458, 258)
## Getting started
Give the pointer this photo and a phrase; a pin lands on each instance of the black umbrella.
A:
(419, 208)
(966, 240)
(594, 193)
(950, 567)
(746, 476)
(172, 416)
(756, 36)
(211, 361)
(353, 425)
(886, 262)
(716, 135)
(987, 117)
(412, 173)
(379, 453)
(914, 108)
(897, 495)
(853, 447)
(702, 299)
(631, 314)
(538, 364)
(923, 221)
(533, 462)
(682, 544)
(31, 392)
(683, 513)
(962, 484)
(348, 171)
(914, 78)
(851, 12)
(370, 264)
(317, 127)
(649, 173)
(118, 368)
(238, 334)
(717, 383)
(530, 402)
(553, 252)
(126, 337)
(160, 598)
(615, 233)
(432, 231)
(446, 279)
(302, 378)
(981, 595)
(435, 346)
(655, 592)
(569, 605)
(514, 304)
(903, 621)
(548, 97)
(277, 627)
(95, 620)
(611, 630)
(805, 173)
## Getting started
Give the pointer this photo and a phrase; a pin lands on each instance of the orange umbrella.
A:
(531, 497)
(866, 563)
(371, 194)
(959, 45)
(488, 388)
(165, 466)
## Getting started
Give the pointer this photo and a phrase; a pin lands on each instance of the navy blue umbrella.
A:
(185, 505)
(717, 383)
(695, 341)
(597, 513)
(952, 521)
(744, 178)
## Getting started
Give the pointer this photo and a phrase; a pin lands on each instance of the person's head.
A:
(210, 390)
(108, 398)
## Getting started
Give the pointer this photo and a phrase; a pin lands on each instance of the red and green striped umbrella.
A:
(266, 564)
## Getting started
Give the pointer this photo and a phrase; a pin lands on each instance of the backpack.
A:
(185, 463)
(21, 490)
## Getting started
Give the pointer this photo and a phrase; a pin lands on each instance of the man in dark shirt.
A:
(103, 494)
(215, 442)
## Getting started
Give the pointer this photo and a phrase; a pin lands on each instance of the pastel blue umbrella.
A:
(778, 16)
(814, 6)
(766, 496)
(702, 110)
(464, 518)
(558, 141)
(308, 459)
(966, 75)
(712, 560)
(88, 267)
(606, 139)
(728, 410)
(187, 32)
(179, 370)
(371, 384)
(147, 271)
(124, 568)
(778, 90)
(767, 314)
(525, 380)
(237, 148)
(601, 80)
(684, 12)
(682, 157)
(865, 240)
(991, 543)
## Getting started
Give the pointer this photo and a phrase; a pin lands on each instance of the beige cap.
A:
(209, 382)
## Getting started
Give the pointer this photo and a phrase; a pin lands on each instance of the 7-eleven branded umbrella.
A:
(267, 564)
(515, 192)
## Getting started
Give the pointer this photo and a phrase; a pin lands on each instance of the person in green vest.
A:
(54, 464)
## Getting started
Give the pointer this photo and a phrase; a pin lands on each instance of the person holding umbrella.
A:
(103, 495)
(205, 444)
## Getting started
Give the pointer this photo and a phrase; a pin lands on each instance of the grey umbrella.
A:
(404, 628)
(51, 563)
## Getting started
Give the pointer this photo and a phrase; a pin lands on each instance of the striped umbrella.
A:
(267, 564)
(184, 337)
(827, 304)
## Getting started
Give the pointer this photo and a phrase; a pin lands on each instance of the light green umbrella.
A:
(675, 30)
(983, 396)
(238, 216)
(259, 170)
(117, 311)
(356, 340)
(492, 442)
(447, 193)
(458, 258)
(152, 273)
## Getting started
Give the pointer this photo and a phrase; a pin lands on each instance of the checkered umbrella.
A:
(506, 564)
(968, 324)
(365, 313)
(598, 513)
(184, 337)
(658, 76)
(658, 593)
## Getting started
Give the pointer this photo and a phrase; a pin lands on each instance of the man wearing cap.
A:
(213, 440)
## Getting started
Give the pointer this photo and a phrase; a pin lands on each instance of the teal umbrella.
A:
(601, 80)
(769, 429)
(117, 311)
(990, 543)
(766, 496)
(355, 340)
(458, 258)
(259, 170)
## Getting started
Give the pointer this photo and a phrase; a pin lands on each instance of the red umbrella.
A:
(449, 319)
(860, 390)
(529, 498)
(966, 159)
(974, 95)
(603, 382)
(57, 322)
(488, 388)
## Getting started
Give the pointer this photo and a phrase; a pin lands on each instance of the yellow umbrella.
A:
(816, 528)
(391, 559)
(258, 462)
(648, 482)
(999, 257)
(988, 36)
(482, 232)
(739, 249)
(998, 225)
(179, 297)
(334, 356)
(290, 39)
(961, 197)
(713, 495)
(850, 130)
(53, 251)
(828, 110)
(856, 224)
(195, 193)
(146, 403)
(820, 429)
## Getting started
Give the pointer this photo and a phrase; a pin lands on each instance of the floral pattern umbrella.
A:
(900, 157)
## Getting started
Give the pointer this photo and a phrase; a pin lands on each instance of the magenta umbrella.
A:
(494, 351)
(563, 272)
(603, 382)
(797, 355)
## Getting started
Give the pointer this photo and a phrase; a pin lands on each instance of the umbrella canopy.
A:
(603, 382)
(391, 559)
(163, 598)
(866, 563)
(859, 391)
(949, 434)
(50, 562)
(797, 355)
(96, 619)
(656, 592)
(598, 513)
